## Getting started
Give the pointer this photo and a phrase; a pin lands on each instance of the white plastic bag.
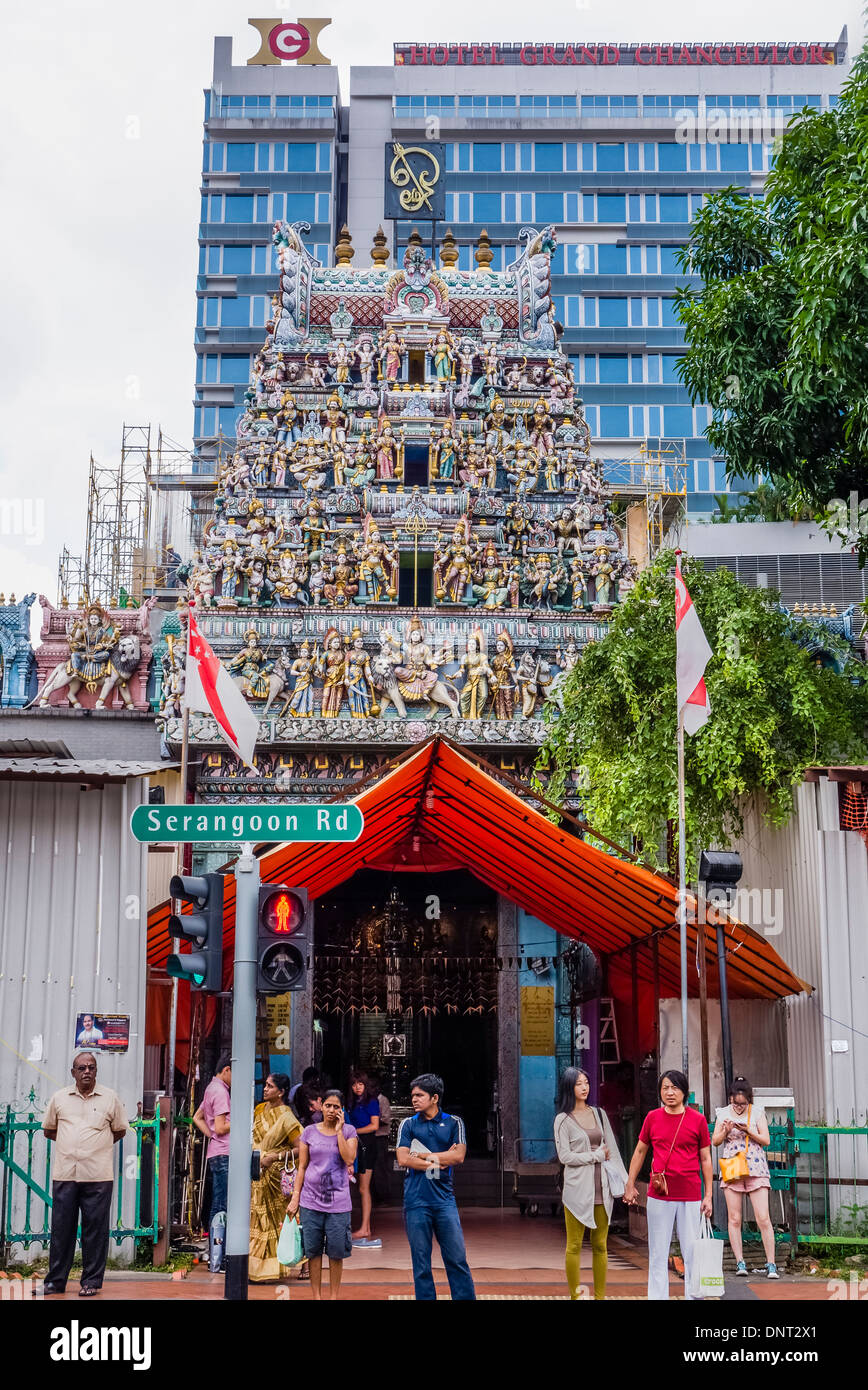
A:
(290, 1250)
(614, 1177)
(706, 1276)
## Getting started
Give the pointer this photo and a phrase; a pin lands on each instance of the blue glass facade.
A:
(621, 174)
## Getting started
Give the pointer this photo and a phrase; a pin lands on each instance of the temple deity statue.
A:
(567, 530)
(261, 467)
(443, 356)
(358, 677)
(603, 572)
(492, 588)
(388, 453)
(391, 357)
(497, 434)
(361, 471)
(503, 685)
(544, 582)
(303, 669)
(466, 357)
(491, 363)
(516, 527)
(473, 473)
(315, 371)
(523, 472)
(453, 565)
(527, 682)
(334, 421)
(341, 359)
(288, 421)
(259, 587)
(571, 471)
(231, 562)
(367, 356)
(552, 471)
(200, 581)
(378, 565)
(477, 672)
(251, 666)
(491, 323)
(288, 578)
(341, 587)
(314, 528)
(331, 668)
(278, 468)
(444, 452)
(91, 640)
(308, 466)
(542, 435)
(579, 582)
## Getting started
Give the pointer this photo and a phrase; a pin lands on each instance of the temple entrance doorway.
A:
(405, 981)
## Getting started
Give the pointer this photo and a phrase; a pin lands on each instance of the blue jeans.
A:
(219, 1167)
(442, 1221)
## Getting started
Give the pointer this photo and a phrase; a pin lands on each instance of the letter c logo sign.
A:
(288, 41)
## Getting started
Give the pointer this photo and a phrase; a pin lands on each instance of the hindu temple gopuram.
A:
(410, 531)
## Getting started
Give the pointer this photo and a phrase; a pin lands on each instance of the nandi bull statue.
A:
(100, 657)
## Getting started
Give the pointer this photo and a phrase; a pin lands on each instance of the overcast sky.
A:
(101, 111)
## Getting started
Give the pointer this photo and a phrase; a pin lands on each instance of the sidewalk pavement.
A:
(512, 1257)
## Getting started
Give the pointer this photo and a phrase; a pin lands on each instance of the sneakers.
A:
(772, 1272)
(741, 1268)
(367, 1243)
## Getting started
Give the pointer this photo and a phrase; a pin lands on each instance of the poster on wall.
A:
(537, 1020)
(103, 1032)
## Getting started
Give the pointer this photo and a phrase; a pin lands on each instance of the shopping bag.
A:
(217, 1242)
(615, 1178)
(706, 1275)
(290, 1250)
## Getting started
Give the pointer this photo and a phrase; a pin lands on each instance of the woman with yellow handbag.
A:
(742, 1129)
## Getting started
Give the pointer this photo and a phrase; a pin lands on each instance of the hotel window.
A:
(636, 318)
(550, 207)
(587, 158)
(673, 207)
(325, 157)
(571, 311)
(278, 203)
(733, 159)
(238, 209)
(649, 158)
(572, 207)
(234, 369)
(206, 421)
(589, 309)
(614, 421)
(632, 157)
(610, 159)
(668, 263)
(655, 421)
(218, 154)
(637, 422)
(634, 213)
(580, 259)
(667, 317)
(322, 207)
(613, 370)
(235, 313)
(589, 371)
(671, 158)
(634, 259)
(678, 420)
(652, 368)
(650, 207)
(548, 158)
(571, 157)
(486, 158)
(525, 158)
(211, 363)
(239, 158)
(613, 313)
(588, 209)
(611, 260)
(611, 207)
(636, 363)
(509, 157)
(652, 312)
(670, 362)
(301, 158)
(214, 260)
(486, 207)
(300, 207)
(263, 161)
(212, 313)
(464, 158)
(262, 207)
(236, 260)
(262, 262)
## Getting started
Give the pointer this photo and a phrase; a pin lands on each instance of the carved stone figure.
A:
(358, 677)
(477, 672)
(503, 685)
(331, 667)
(251, 667)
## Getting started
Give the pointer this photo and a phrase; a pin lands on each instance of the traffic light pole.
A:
(243, 1071)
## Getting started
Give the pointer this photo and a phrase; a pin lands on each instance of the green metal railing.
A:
(820, 1172)
(25, 1172)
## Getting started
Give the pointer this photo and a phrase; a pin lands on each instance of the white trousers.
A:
(662, 1217)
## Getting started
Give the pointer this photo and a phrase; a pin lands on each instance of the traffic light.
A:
(283, 942)
(203, 966)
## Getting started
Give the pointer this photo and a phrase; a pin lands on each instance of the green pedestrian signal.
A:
(203, 927)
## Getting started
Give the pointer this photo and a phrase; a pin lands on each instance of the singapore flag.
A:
(209, 688)
(692, 656)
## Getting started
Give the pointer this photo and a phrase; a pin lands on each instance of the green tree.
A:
(776, 335)
(774, 712)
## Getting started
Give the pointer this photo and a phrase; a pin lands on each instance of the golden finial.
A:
(833, 610)
(415, 239)
(2, 600)
(483, 255)
(344, 247)
(797, 610)
(449, 251)
(11, 598)
(380, 248)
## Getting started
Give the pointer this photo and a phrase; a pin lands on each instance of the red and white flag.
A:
(692, 657)
(209, 688)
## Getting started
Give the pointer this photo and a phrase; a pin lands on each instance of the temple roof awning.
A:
(438, 807)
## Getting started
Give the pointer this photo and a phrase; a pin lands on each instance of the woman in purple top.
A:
(321, 1197)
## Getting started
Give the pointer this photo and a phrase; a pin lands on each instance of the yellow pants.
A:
(599, 1255)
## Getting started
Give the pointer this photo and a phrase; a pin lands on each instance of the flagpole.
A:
(682, 893)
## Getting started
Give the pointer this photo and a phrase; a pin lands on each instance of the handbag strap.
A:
(746, 1130)
(674, 1137)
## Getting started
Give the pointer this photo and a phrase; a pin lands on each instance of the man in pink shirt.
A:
(212, 1119)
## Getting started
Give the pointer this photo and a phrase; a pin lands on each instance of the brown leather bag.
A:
(658, 1180)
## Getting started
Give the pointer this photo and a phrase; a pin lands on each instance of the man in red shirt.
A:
(681, 1147)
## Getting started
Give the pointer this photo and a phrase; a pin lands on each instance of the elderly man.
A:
(85, 1121)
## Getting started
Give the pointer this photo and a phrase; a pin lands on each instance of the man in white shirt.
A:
(85, 1121)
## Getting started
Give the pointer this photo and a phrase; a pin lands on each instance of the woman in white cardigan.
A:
(592, 1166)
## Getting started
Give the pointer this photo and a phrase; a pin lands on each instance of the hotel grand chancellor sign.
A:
(625, 55)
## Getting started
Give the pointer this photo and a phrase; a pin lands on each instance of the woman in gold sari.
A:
(276, 1133)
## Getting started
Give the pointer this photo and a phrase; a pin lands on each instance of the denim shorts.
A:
(328, 1232)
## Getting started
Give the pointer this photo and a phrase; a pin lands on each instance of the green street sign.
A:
(181, 824)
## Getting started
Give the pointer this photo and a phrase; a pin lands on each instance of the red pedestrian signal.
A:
(282, 963)
(281, 912)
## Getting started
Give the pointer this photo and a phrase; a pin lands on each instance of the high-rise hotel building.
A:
(616, 145)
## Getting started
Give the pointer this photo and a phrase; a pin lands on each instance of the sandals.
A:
(87, 1291)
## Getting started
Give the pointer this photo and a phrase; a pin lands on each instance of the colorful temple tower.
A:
(411, 534)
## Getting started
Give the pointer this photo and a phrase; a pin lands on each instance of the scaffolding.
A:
(144, 514)
(656, 476)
